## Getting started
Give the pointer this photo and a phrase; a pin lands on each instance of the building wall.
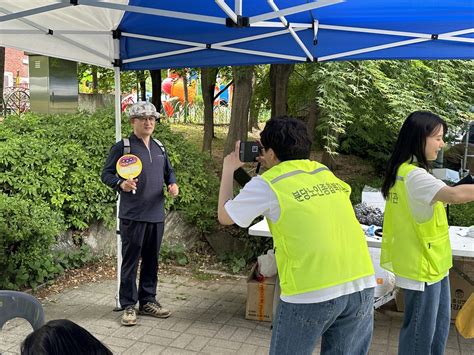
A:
(15, 62)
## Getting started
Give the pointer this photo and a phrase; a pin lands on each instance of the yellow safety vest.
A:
(318, 241)
(417, 251)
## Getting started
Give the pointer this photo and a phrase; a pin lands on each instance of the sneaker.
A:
(154, 309)
(129, 316)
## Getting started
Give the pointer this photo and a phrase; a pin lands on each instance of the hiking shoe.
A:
(129, 316)
(154, 309)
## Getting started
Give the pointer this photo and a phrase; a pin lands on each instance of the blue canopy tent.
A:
(153, 34)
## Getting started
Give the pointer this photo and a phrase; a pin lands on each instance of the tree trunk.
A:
(312, 118)
(156, 88)
(253, 116)
(240, 106)
(279, 76)
(95, 80)
(328, 160)
(208, 83)
(142, 86)
(186, 99)
(254, 108)
(2, 73)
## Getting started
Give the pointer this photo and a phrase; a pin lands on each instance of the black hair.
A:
(288, 137)
(411, 144)
(62, 336)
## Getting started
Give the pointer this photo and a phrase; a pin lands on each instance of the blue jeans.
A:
(427, 317)
(345, 324)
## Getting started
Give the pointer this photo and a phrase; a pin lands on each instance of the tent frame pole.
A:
(293, 10)
(217, 46)
(50, 32)
(421, 38)
(35, 11)
(153, 11)
(228, 11)
(291, 30)
(118, 137)
(238, 7)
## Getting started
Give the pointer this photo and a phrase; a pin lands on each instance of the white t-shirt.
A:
(421, 189)
(258, 199)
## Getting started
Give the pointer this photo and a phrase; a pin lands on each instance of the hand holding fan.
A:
(129, 166)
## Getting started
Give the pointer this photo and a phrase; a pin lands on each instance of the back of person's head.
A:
(60, 337)
(288, 137)
(411, 142)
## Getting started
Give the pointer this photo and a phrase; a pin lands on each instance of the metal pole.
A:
(118, 137)
(466, 149)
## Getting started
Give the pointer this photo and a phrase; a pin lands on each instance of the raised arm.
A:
(455, 194)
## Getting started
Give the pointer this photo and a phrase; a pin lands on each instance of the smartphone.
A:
(249, 151)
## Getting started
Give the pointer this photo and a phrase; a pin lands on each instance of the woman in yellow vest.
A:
(415, 243)
(326, 274)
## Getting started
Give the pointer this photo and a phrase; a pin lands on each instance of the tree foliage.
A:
(362, 104)
(105, 78)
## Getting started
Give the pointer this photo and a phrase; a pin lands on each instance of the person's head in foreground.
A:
(419, 141)
(61, 336)
(282, 139)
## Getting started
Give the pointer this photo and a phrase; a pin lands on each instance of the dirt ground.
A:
(346, 166)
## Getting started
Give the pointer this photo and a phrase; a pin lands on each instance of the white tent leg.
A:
(118, 136)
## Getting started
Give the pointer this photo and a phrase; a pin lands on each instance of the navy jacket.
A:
(147, 204)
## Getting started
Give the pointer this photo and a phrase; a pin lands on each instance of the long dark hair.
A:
(411, 143)
(61, 336)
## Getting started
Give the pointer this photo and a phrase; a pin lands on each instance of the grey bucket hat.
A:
(143, 109)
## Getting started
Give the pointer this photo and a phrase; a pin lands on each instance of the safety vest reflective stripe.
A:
(292, 173)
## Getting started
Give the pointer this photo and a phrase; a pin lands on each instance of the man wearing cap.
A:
(141, 213)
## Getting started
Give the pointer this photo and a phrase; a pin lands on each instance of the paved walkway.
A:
(208, 318)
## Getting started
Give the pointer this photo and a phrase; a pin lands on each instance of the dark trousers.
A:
(139, 239)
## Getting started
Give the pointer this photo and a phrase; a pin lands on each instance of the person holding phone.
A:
(415, 243)
(325, 271)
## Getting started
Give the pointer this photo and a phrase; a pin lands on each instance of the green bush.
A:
(27, 231)
(50, 167)
(58, 159)
(73, 258)
(461, 215)
(173, 252)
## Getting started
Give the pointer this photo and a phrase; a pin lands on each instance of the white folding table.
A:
(460, 245)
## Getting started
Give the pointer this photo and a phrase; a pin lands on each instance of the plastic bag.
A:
(267, 264)
(465, 319)
(470, 232)
(385, 279)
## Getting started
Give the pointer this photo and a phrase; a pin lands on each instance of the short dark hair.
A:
(62, 336)
(288, 137)
(411, 144)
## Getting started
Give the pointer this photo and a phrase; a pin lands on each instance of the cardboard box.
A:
(259, 297)
(461, 288)
(399, 300)
(465, 265)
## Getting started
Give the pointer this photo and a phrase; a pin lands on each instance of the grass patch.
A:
(202, 276)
